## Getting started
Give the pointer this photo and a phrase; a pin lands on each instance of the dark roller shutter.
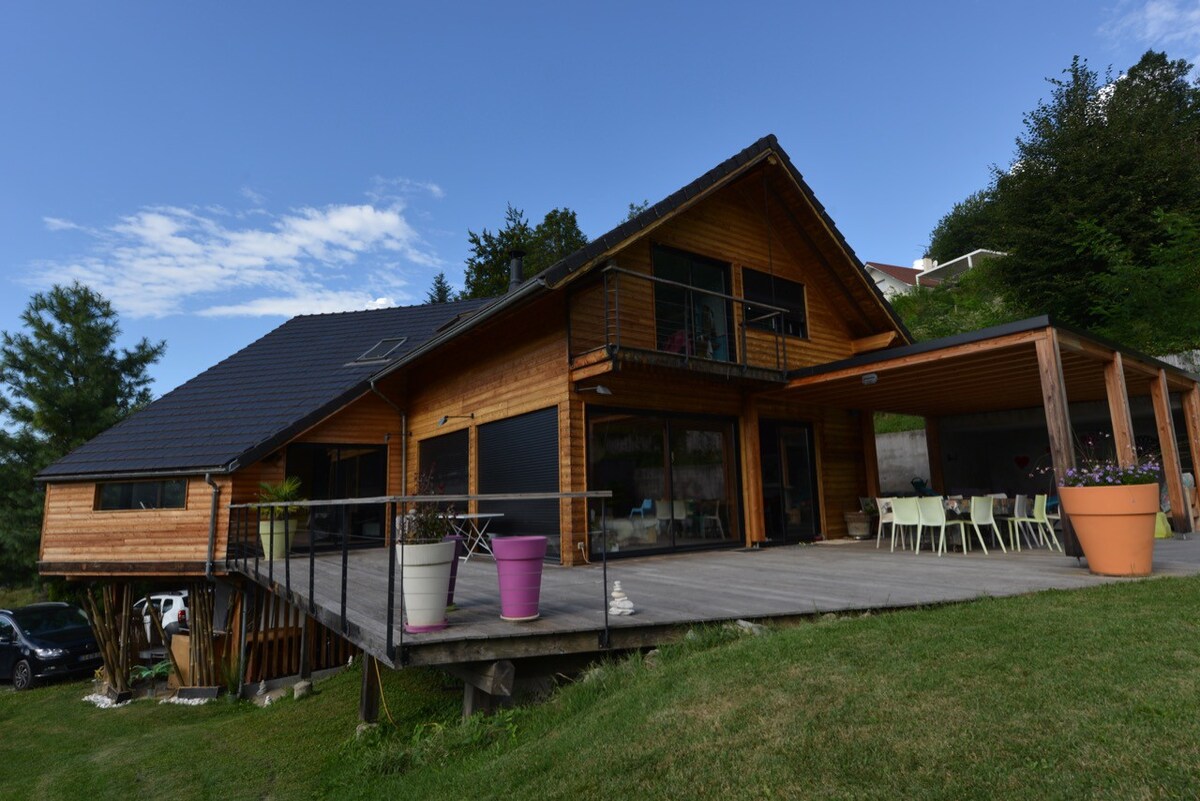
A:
(520, 454)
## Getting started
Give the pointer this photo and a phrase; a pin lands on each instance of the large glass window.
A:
(445, 462)
(113, 495)
(330, 472)
(775, 291)
(687, 319)
(672, 480)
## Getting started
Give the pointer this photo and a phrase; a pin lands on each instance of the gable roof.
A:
(259, 397)
(728, 170)
(907, 275)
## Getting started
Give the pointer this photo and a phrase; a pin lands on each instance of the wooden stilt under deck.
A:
(1181, 514)
(368, 701)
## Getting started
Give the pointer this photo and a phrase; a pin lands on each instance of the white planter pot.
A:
(425, 571)
(277, 547)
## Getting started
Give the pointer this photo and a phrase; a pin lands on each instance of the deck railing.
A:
(347, 525)
(648, 313)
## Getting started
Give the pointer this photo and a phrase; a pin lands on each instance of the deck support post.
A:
(486, 685)
(305, 647)
(752, 489)
(1058, 422)
(870, 457)
(368, 702)
(933, 444)
(1191, 419)
(1118, 410)
(1160, 394)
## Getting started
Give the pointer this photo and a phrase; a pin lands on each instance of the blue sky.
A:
(215, 168)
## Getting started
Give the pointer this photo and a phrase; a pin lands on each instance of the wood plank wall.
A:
(726, 227)
(74, 532)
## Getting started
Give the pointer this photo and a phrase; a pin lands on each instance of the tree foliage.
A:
(440, 291)
(968, 302)
(1097, 206)
(65, 382)
(554, 238)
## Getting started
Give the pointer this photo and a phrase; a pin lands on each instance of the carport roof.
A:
(989, 370)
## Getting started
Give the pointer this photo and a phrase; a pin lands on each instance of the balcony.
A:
(631, 317)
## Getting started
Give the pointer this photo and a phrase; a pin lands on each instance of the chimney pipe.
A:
(516, 269)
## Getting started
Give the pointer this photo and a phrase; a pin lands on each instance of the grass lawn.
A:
(1085, 694)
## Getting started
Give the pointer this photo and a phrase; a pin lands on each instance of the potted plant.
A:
(1113, 510)
(425, 557)
(278, 525)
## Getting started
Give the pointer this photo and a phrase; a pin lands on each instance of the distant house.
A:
(893, 279)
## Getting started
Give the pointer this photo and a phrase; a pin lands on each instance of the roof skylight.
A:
(382, 350)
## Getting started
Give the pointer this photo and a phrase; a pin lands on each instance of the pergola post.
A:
(752, 489)
(933, 444)
(1058, 421)
(1160, 394)
(870, 457)
(1191, 418)
(1118, 410)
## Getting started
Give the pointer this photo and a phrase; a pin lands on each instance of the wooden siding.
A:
(82, 540)
(728, 228)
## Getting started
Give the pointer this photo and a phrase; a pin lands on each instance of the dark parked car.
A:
(45, 640)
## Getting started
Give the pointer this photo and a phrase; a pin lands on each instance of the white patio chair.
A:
(1019, 522)
(981, 515)
(1039, 522)
(883, 507)
(933, 515)
(905, 515)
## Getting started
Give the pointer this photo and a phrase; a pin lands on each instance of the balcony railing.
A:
(294, 574)
(638, 312)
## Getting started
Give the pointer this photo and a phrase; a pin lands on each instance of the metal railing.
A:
(358, 523)
(694, 323)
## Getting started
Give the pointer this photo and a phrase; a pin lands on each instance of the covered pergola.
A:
(1021, 365)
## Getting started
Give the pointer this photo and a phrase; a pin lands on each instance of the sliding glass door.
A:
(673, 483)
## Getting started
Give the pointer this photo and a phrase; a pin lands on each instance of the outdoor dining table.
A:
(473, 529)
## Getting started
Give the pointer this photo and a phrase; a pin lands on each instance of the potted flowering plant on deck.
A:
(1113, 510)
(425, 557)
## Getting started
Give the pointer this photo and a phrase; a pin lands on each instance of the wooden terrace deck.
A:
(674, 592)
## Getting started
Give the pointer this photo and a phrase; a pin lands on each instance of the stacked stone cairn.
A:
(620, 603)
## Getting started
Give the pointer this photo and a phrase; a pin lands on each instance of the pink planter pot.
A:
(519, 569)
(1115, 526)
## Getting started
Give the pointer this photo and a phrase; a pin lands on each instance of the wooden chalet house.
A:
(714, 363)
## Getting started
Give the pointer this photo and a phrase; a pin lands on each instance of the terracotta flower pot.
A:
(1115, 526)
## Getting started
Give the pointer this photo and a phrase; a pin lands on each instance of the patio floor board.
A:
(673, 592)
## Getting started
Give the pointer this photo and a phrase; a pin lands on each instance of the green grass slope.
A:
(1089, 694)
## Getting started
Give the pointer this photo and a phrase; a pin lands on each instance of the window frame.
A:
(774, 300)
(98, 497)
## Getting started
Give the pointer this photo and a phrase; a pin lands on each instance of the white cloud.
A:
(169, 260)
(391, 188)
(1159, 23)
(254, 197)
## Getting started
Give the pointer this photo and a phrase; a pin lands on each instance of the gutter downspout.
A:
(403, 436)
(212, 526)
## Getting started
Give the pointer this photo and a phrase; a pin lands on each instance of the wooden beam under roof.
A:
(1058, 421)
(1118, 410)
(1181, 513)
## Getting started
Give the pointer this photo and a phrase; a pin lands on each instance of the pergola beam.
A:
(1058, 421)
(1118, 409)
(1181, 514)
(1191, 419)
